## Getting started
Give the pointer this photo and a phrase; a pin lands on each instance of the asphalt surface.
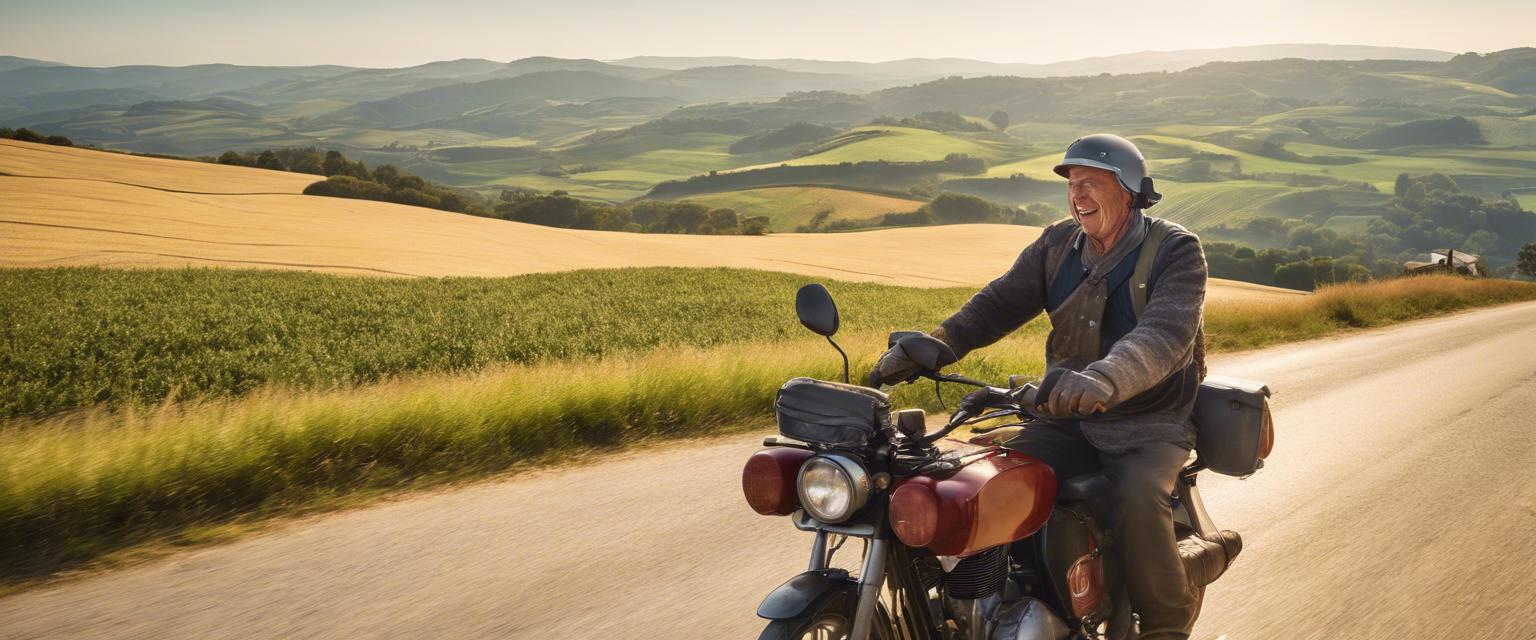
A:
(1400, 502)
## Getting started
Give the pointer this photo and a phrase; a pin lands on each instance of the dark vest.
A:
(1119, 319)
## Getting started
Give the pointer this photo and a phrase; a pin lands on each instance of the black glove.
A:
(892, 367)
(1078, 393)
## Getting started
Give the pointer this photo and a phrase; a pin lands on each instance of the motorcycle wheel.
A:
(828, 620)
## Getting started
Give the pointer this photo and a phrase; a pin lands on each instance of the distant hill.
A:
(1141, 62)
(470, 100)
(728, 82)
(612, 132)
(1178, 60)
(55, 101)
(12, 62)
(366, 84)
(459, 99)
(1217, 92)
(1450, 131)
(170, 82)
(1511, 70)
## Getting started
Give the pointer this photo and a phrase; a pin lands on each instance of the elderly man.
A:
(1131, 373)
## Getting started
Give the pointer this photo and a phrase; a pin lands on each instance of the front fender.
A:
(795, 597)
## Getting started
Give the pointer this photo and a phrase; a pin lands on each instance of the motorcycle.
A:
(961, 540)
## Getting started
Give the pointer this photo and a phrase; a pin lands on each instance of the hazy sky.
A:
(388, 33)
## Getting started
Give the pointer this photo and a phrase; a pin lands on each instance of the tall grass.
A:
(1246, 325)
(75, 486)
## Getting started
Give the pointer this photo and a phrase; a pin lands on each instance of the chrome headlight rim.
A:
(852, 478)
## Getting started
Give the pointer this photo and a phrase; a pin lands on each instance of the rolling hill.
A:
(1141, 62)
(66, 214)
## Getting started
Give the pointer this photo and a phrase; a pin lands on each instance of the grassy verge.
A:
(75, 487)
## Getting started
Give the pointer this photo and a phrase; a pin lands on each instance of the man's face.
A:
(1098, 202)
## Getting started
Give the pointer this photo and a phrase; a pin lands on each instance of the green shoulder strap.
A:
(1139, 277)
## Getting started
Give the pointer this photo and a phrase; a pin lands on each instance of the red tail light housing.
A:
(1267, 443)
(768, 480)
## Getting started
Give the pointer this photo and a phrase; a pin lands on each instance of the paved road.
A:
(1400, 503)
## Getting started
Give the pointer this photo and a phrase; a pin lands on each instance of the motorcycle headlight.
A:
(832, 487)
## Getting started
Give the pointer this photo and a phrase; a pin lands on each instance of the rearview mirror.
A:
(817, 312)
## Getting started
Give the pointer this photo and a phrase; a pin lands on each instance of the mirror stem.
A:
(845, 358)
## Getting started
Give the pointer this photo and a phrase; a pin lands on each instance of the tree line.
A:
(27, 135)
(559, 209)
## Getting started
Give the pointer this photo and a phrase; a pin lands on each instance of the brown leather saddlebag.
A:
(1233, 425)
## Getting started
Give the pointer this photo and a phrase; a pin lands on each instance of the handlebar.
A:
(1020, 400)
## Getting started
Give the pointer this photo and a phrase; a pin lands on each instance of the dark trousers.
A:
(1142, 517)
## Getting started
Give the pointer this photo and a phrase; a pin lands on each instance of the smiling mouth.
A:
(1087, 212)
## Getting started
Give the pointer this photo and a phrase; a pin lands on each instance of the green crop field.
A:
(903, 144)
(1379, 169)
(1204, 204)
(790, 207)
(80, 337)
(1037, 167)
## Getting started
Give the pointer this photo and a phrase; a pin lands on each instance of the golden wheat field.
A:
(28, 159)
(68, 214)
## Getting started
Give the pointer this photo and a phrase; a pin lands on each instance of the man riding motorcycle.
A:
(1131, 360)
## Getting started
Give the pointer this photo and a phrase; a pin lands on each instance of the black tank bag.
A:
(832, 413)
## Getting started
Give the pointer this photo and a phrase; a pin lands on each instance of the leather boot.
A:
(1207, 557)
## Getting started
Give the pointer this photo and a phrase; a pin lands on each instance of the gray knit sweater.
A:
(1162, 343)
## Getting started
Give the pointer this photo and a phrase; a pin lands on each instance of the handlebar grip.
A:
(1018, 380)
(1048, 384)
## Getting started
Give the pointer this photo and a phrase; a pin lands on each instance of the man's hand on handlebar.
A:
(892, 367)
(1077, 394)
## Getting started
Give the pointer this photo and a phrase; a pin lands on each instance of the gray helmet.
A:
(1117, 155)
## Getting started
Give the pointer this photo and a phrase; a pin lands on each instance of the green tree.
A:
(999, 119)
(308, 161)
(336, 164)
(956, 208)
(724, 220)
(1527, 263)
(684, 217)
(755, 225)
(268, 160)
(1296, 275)
(387, 175)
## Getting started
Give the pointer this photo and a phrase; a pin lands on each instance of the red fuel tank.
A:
(1000, 498)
